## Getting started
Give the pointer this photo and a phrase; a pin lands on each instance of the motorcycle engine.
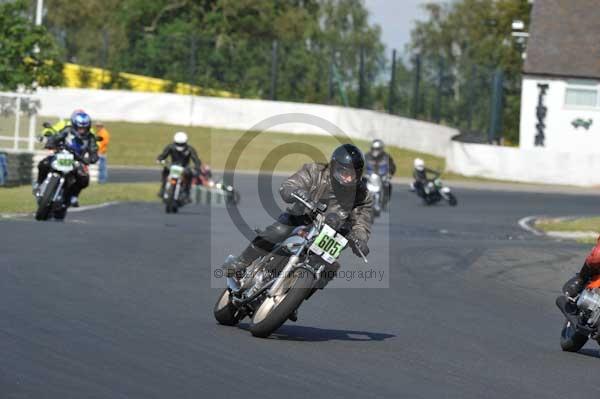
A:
(589, 302)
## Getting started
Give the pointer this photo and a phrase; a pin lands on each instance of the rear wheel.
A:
(570, 339)
(274, 311)
(224, 311)
(45, 203)
(452, 200)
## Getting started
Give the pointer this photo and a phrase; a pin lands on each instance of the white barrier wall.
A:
(560, 133)
(535, 165)
(244, 114)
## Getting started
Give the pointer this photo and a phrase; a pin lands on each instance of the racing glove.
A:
(357, 244)
(303, 194)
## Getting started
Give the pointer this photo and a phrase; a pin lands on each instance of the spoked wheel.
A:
(45, 203)
(170, 203)
(570, 339)
(274, 311)
(225, 312)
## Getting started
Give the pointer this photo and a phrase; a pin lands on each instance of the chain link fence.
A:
(466, 96)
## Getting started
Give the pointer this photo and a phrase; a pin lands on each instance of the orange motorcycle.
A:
(582, 317)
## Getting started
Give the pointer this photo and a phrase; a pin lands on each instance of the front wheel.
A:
(60, 214)
(570, 339)
(274, 311)
(45, 203)
(225, 311)
(170, 201)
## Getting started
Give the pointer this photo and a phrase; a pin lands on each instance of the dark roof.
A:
(564, 39)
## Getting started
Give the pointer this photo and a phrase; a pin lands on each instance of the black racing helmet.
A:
(347, 165)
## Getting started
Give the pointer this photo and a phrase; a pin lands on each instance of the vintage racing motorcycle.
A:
(275, 285)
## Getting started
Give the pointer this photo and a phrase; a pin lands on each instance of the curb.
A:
(527, 224)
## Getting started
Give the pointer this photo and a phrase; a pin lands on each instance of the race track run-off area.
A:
(117, 302)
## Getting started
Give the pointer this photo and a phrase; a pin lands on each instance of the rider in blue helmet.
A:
(82, 124)
(79, 139)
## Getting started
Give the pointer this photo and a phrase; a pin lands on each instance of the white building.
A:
(560, 106)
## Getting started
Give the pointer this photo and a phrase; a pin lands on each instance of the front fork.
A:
(177, 190)
(378, 200)
(278, 287)
(58, 193)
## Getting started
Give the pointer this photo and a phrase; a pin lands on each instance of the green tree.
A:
(472, 38)
(226, 44)
(28, 53)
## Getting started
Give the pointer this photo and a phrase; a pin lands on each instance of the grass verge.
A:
(561, 224)
(138, 144)
(587, 228)
(20, 199)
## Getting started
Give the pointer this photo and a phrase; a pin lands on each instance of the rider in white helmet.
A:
(421, 178)
(181, 153)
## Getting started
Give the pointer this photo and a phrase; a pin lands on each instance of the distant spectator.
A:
(104, 135)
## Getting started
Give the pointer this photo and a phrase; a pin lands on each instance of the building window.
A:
(582, 93)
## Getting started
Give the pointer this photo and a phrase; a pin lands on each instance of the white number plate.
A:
(63, 162)
(329, 244)
(175, 171)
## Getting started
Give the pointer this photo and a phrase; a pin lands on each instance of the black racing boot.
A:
(239, 266)
(573, 287)
(294, 315)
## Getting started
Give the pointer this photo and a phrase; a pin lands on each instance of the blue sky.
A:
(396, 18)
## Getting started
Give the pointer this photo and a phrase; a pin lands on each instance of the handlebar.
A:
(321, 208)
(77, 157)
(362, 255)
(312, 206)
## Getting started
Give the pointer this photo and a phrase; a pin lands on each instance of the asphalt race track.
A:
(117, 303)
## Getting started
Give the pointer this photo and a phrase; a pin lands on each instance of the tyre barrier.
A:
(15, 168)
(210, 196)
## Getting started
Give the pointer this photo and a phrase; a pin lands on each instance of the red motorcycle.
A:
(216, 187)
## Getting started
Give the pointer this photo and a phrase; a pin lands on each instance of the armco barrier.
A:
(536, 165)
(244, 114)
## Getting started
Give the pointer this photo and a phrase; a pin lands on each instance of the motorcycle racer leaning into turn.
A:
(589, 270)
(337, 184)
(423, 176)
